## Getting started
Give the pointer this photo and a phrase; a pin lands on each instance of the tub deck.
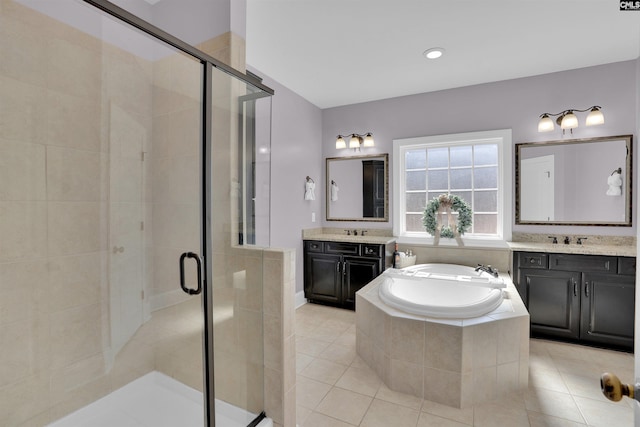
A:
(456, 362)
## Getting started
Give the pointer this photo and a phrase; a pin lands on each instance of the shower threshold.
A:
(155, 400)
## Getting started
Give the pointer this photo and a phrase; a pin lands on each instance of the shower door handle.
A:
(198, 289)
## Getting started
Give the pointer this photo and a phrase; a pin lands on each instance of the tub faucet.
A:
(492, 271)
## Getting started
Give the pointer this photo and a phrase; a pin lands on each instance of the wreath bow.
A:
(445, 204)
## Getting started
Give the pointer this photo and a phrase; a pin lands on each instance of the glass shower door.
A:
(100, 194)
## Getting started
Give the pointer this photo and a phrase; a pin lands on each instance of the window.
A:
(474, 166)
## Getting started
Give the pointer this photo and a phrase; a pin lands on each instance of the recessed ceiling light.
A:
(433, 53)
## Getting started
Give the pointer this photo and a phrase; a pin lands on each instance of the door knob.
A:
(613, 389)
(117, 249)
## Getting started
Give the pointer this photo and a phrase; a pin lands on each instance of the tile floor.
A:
(335, 388)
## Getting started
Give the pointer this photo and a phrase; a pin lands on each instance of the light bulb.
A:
(354, 142)
(569, 121)
(595, 117)
(545, 124)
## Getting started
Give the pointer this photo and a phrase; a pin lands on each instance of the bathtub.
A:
(446, 291)
(468, 345)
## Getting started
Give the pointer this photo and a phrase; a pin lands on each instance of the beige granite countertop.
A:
(572, 248)
(377, 240)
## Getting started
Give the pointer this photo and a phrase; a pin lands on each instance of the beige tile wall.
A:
(59, 90)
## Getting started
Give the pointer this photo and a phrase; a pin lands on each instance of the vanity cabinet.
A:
(335, 271)
(588, 298)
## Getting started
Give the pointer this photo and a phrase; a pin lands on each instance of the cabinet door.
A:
(323, 278)
(357, 273)
(553, 300)
(608, 309)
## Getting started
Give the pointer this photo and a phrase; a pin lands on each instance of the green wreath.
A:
(430, 218)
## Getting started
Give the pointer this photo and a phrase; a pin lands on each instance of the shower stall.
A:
(134, 187)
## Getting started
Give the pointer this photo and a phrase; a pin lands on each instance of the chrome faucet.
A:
(492, 271)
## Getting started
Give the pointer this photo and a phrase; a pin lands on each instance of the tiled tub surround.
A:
(458, 363)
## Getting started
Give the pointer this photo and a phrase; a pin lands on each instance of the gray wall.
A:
(303, 135)
(296, 152)
(514, 104)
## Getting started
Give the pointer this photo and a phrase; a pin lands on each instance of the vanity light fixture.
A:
(355, 141)
(568, 120)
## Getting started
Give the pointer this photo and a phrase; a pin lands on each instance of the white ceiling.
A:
(340, 52)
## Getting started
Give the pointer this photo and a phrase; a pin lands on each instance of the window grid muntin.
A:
(472, 190)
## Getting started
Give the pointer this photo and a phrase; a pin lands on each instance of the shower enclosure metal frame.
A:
(206, 139)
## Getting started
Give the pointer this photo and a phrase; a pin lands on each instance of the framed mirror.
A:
(358, 188)
(574, 182)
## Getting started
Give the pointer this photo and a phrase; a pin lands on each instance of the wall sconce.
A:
(355, 141)
(614, 181)
(568, 120)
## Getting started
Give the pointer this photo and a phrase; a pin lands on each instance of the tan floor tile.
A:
(345, 405)
(549, 379)
(494, 415)
(602, 414)
(310, 346)
(339, 354)
(360, 380)
(309, 393)
(302, 361)
(561, 392)
(582, 386)
(385, 414)
(537, 419)
(388, 395)
(320, 420)
(430, 420)
(324, 371)
(553, 403)
(302, 414)
(464, 416)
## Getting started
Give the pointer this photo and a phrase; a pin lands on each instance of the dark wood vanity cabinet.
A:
(588, 298)
(335, 271)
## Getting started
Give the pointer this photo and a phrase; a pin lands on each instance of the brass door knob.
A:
(613, 389)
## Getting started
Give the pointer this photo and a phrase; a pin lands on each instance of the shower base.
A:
(155, 400)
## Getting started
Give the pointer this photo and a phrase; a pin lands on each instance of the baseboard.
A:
(300, 299)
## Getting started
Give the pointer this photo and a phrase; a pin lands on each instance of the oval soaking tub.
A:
(442, 290)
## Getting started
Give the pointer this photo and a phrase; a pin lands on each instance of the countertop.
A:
(572, 248)
(376, 240)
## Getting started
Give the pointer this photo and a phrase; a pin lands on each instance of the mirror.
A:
(358, 188)
(574, 182)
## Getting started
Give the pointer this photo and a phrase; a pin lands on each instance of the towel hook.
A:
(309, 179)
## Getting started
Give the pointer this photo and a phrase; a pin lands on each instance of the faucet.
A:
(566, 240)
(348, 232)
(580, 240)
(555, 240)
(362, 232)
(488, 269)
(355, 232)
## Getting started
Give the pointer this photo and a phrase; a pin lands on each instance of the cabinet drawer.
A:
(371, 251)
(533, 260)
(627, 265)
(591, 263)
(312, 246)
(342, 248)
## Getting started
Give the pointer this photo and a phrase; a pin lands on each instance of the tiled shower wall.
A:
(59, 90)
(54, 297)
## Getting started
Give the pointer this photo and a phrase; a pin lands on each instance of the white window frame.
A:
(501, 137)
